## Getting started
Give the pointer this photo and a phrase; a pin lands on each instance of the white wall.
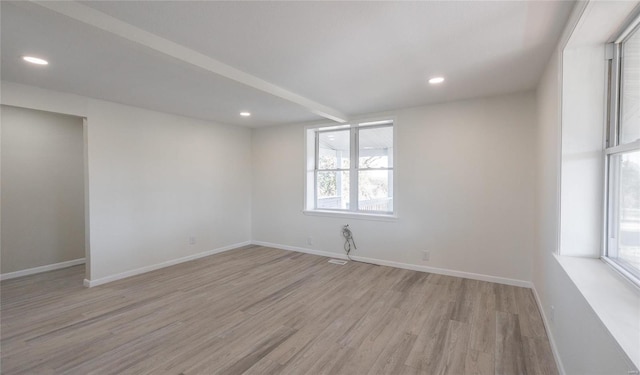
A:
(591, 303)
(42, 188)
(584, 344)
(158, 179)
(465, 177)
(582, 143)
(155, 180)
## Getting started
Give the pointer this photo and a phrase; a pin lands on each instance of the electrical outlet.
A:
(192, 240)
(552, 313)
(426, 255)
(310, 241)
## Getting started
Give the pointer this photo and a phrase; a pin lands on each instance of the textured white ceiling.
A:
(356, 57)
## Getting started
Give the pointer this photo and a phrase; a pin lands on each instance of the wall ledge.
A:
(612, 297)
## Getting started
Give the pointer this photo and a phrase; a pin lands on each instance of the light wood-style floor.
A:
(265, 311)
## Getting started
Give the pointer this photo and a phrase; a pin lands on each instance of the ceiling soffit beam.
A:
(122, 29)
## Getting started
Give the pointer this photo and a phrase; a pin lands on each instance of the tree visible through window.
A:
(353, 168)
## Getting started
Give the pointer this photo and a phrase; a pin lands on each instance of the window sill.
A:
(350, 215)
(614, 299)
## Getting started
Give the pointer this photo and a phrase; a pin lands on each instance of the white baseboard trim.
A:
(300, 249)
(408, 266)
(552, 341)
(153, 267)
(48, 267)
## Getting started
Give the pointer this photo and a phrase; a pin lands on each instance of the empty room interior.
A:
(318, 187)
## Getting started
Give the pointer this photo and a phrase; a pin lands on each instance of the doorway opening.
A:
(44, 209)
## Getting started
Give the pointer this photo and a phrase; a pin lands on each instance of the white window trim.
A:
(608, 293)
(351, 215)
(308, 202)
(611, 147)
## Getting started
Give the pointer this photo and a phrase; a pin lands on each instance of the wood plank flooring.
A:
(259, 310)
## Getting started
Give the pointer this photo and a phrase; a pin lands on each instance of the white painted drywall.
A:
(155, 180)
(42, 188)
(465, 177)
(583, 98)
(584, 344)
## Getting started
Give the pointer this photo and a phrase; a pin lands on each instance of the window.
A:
(350, 168)
(622, 157)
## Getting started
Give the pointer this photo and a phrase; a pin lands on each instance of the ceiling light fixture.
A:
(35, 60)
(245, 114)
(436, 80)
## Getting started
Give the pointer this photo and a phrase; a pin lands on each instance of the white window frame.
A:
(312, 154)
(612, 149)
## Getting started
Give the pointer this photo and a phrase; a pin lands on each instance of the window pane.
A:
(333, 190)
(630, 90)
(334, 152)
(624, 228)
(375, 147)
(375, 190)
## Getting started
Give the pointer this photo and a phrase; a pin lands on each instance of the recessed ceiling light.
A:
(245, 114)
(35, 60)
(436, 80)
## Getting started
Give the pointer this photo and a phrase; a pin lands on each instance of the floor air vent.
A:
(338, 261)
